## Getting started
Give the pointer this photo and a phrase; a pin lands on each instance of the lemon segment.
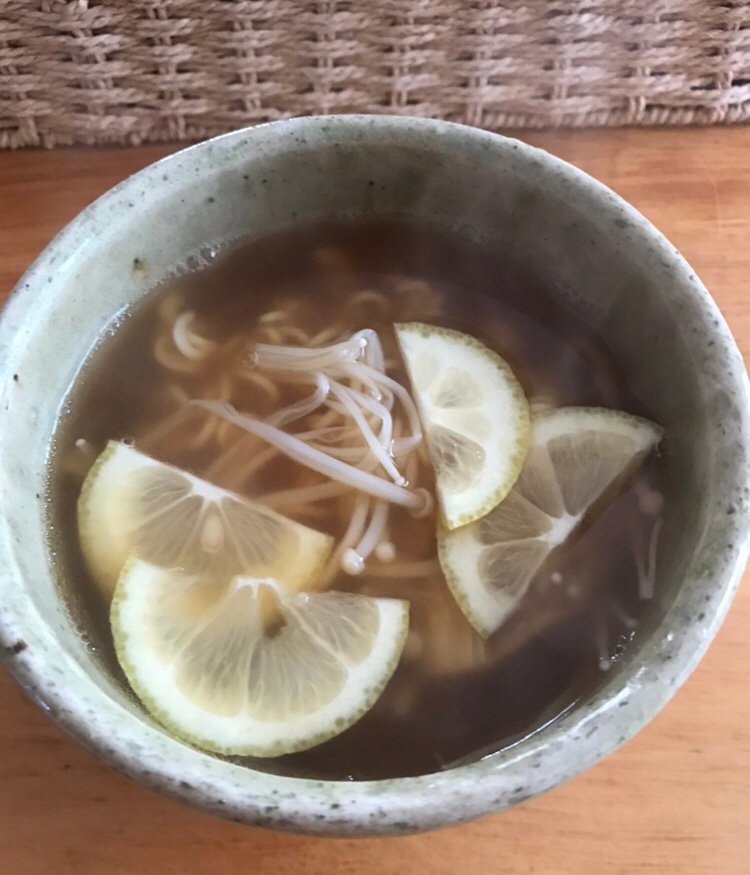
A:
(576, 456)
(474, 414)
(131, 503)
(220, 670)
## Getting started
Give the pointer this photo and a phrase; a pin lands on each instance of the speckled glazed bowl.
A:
(600, 255)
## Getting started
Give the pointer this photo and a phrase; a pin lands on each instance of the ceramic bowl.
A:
(597, 253)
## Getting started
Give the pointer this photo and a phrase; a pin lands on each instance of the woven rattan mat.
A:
(130, 71)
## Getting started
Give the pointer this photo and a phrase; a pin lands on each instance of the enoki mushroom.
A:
(365, 438)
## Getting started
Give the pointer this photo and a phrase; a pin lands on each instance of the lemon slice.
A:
(246, 667)
(576, 454)
(132, 503)
(475, 417)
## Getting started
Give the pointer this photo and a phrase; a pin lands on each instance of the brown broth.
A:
(548, 654)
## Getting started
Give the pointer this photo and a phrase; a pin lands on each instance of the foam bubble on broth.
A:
(454, 696)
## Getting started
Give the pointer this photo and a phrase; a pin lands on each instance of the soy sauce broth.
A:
(584, 609)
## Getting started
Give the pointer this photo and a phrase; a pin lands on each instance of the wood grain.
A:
(674, 800)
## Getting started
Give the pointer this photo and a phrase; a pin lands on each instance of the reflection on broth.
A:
(203, 335)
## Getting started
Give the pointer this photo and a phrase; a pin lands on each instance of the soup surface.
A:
(455, 696)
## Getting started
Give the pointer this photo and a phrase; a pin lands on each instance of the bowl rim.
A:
(399, 805)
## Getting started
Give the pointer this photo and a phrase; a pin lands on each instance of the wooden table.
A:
(674, 800)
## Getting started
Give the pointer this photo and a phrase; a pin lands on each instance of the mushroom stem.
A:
(303, 453)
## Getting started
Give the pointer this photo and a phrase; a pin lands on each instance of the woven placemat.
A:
(130, 71)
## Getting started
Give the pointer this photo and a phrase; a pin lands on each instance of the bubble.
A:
(385, 551)
(651, 503)
(622, 645)
(414, 645)
(573, 590)
(202, 258)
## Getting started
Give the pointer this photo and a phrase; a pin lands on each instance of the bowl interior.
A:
(600, 257)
